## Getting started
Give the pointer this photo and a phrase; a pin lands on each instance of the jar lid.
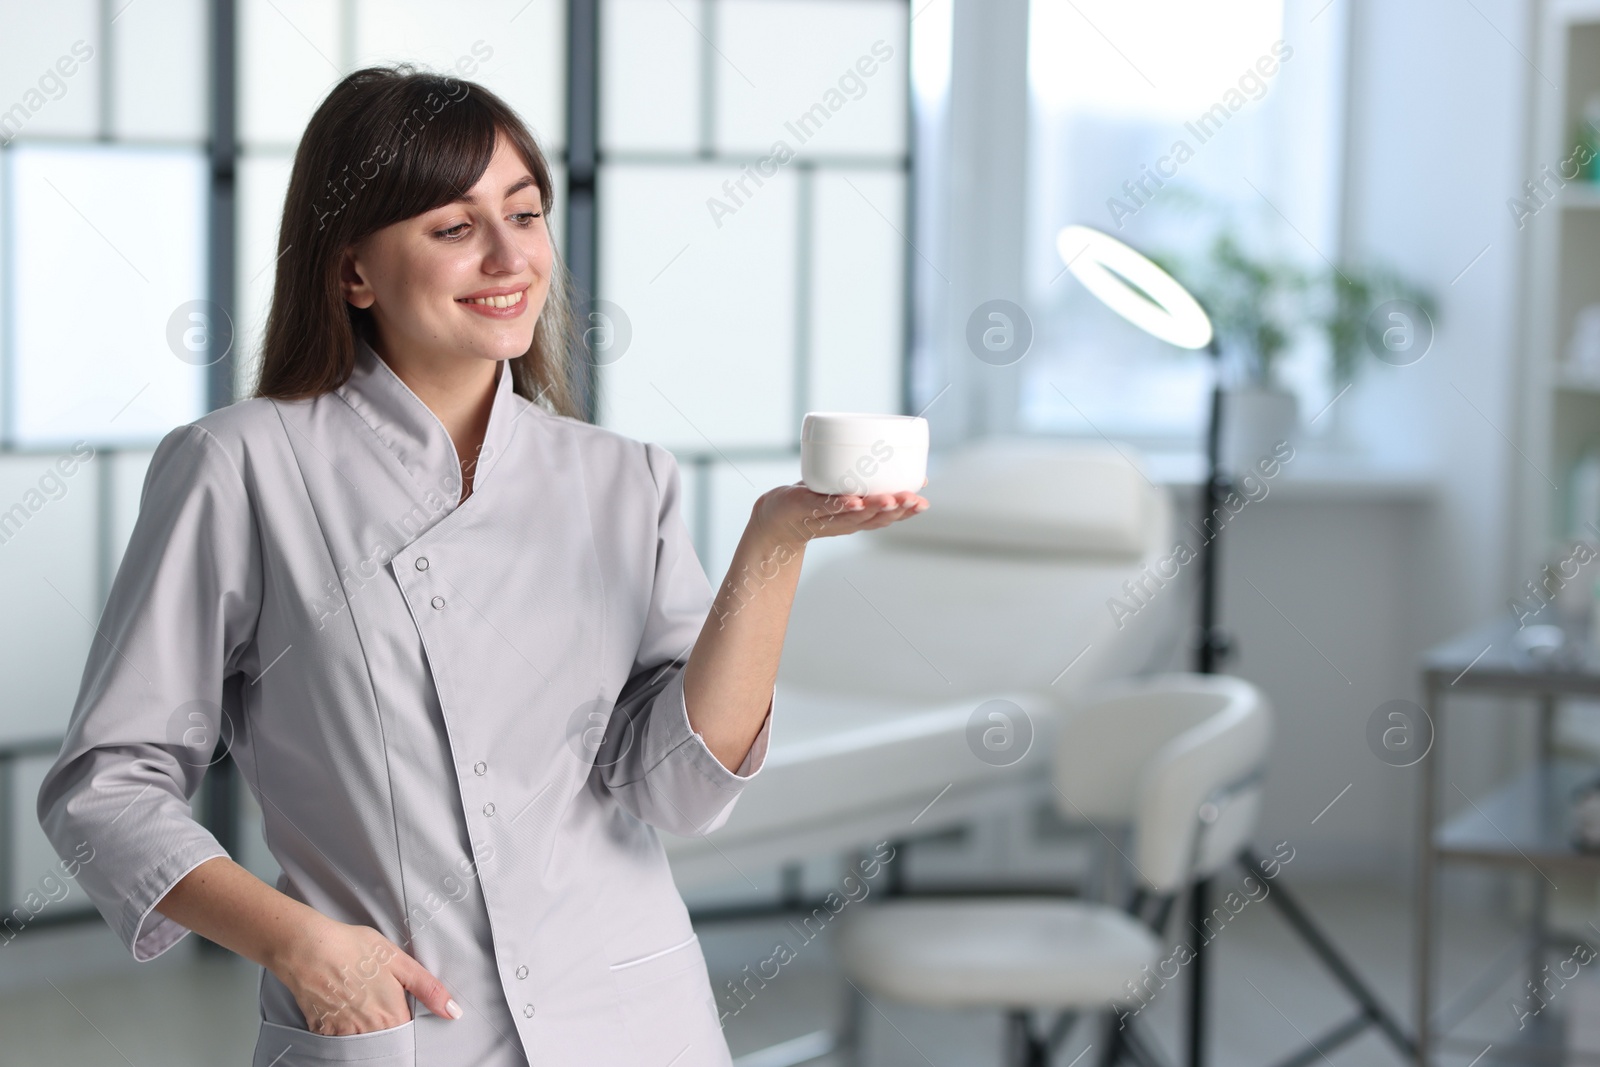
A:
(863, 428)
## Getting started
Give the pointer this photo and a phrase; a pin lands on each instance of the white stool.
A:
(1179, 758)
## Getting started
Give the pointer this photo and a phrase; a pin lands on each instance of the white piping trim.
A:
(655, 955)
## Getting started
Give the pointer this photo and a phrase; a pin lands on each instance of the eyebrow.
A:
(515, 187)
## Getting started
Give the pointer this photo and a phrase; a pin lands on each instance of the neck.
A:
(460, 392)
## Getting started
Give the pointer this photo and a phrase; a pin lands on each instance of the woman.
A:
(456, 639)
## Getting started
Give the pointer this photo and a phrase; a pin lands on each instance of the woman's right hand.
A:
(353, 980)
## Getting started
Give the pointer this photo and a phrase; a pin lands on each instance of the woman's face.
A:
(432, 281)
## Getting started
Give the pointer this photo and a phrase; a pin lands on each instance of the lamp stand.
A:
(1215, 646)
(1212, 649)
(1214, 643)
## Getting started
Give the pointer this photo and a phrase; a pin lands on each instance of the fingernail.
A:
(453, 1008)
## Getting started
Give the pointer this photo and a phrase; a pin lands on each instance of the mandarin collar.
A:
(414, 433)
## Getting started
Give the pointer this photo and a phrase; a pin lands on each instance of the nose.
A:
(504, 254)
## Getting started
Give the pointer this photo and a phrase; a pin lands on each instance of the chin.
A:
(508, 348)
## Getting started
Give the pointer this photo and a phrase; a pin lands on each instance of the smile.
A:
(510, 300)
(496, 305)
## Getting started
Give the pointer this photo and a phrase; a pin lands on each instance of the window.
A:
(1155, 122)
(105, 241)
(112, 240)
(103, 200)
(752, 197)
(748, 301)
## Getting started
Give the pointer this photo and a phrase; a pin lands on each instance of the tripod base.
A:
(1372, 1011)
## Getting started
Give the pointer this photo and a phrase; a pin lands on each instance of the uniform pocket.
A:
(642, 970)
(288, 1046)
(667, 1004)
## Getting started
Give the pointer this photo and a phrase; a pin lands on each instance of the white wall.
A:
(1436, 143)
(1439, 129)
(1321, 593)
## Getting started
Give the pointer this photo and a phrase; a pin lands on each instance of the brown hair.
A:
(388, 144)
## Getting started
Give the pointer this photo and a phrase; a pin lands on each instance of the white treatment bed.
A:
(998, 591)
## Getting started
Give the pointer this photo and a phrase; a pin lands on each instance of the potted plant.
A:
(1346, 301)
(1258, 307)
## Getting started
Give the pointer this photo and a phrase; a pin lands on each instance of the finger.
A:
(424, 986)
(885, 518)
(318, 1016)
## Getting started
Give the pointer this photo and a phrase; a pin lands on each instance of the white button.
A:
(488, 809)
(479, 767)
(422, 563)
(438, 601)
(527, 1009)
(522, 972)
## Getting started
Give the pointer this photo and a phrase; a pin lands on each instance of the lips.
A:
(505, 302)
(496, 300)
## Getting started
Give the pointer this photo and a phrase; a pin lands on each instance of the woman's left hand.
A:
(793, 514)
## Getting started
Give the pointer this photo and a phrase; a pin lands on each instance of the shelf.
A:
(1495, 656)
(1526, 821)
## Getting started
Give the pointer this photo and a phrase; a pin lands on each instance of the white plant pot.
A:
(1254, 421)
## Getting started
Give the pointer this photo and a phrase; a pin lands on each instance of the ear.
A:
(353, 282)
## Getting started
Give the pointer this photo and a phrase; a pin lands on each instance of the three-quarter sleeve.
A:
(653, 761)
(149, 711)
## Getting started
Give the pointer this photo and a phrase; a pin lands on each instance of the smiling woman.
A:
(441, 139)
(536, 671)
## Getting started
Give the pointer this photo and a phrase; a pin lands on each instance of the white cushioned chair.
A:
(1179, 758)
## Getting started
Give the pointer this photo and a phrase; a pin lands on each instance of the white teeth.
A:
(498, 301)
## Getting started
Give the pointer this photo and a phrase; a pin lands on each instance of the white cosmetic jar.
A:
(853, 452)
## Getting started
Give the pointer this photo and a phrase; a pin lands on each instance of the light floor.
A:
(73, 996)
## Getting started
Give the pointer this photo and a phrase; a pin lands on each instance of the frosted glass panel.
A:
(693, 488)
(650, 75)
(253, 854)
(47, 568)
(50, 67)
(263, 181)
(5, 287)
(515, 48)
(38, 868)
(819, 75)
(857, 290)
(288, 61)
(712, 310)
(162, 88)
(127, 485)
(734, 490)
(557, 220)
(114, 245)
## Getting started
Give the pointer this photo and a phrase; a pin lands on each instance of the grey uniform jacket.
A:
(463, 722)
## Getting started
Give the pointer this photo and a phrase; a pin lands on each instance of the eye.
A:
(453, 233)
